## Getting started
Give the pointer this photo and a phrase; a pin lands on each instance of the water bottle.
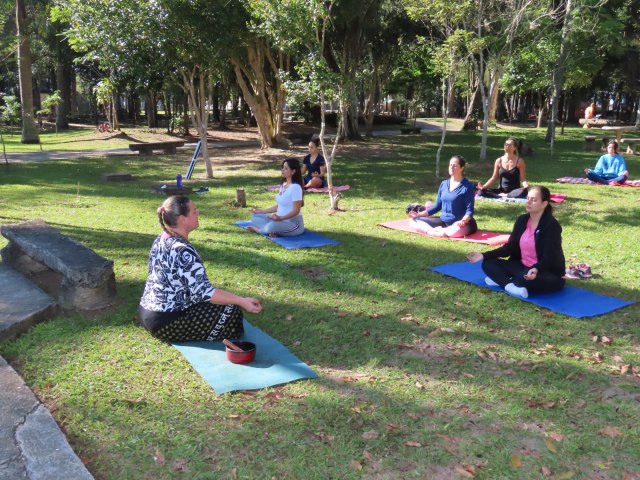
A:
(179, 181)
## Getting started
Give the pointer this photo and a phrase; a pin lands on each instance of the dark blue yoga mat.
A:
(572, 301)
(308, 239)
(274, 363)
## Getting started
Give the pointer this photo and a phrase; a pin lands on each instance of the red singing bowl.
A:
(246, 356)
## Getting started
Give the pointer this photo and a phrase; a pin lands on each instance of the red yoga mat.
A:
(481, 236)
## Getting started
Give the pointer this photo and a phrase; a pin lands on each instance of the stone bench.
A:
(631, 145)
(590, 143)
(73, 274)
(148, 148)
(410, 130)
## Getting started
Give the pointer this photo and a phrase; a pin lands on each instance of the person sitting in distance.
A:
(314, 167)
(611, 168)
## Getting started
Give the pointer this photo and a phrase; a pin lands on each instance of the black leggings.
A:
(495, 193)
(512, 271)
(204, 321)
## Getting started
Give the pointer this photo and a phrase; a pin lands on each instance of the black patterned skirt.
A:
(203, 321)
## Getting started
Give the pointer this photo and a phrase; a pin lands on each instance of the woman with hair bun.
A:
(536, 261)
(179, 304)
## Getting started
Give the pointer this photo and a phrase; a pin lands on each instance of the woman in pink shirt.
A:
(535, 261)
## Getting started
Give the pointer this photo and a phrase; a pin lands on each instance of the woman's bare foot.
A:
(274, 235)
(253, 229)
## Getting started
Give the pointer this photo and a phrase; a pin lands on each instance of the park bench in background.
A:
(73, 274)
(148, 148)
(631, 145)
(590, 143)
(599, 122)
(410, 130)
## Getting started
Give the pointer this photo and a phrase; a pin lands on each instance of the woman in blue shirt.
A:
(611, 168)
(455, 201)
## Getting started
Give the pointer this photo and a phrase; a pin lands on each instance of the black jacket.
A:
(548, 240)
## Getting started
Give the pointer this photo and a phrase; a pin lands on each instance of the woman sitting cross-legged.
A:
(284, 218)
(509, 171)
(611, 167)
(314, 167)
(456, 200)
(535, 261)
(179, 304)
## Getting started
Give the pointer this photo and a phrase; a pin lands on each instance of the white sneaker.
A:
(490, 282)
(521, 292)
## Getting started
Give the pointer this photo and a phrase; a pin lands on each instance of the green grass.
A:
(75, 138)
(491, 384)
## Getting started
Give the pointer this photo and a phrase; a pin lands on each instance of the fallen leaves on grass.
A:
(466, 470)
(546, 472)
(370, 435)
(441, 331)
(159, 457)
(610, 431)
(516, 461)
(537, 404)
(412, 444)
(355, 465)
(180, 465)
(602, 339)
(551, 445)
(547, 349)
(556, 436)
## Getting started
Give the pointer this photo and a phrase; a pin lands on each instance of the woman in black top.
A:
(510, 170)
(536, 261)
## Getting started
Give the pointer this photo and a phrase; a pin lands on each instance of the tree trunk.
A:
(493, 99)
(558, 74)
(29, 129)
(63, 81)
(334, 197)
(262, 89)
(197, 97)
(185, 113)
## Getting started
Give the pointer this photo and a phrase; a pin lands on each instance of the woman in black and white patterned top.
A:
(179, 303)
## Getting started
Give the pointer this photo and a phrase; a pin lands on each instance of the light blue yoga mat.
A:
(274, 363)
(572, 301)
(308, 239)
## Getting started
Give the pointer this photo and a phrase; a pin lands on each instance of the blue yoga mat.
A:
(274, 363)
(572, 301)
(308, 239)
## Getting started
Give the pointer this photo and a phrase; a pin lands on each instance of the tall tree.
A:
(29, 129)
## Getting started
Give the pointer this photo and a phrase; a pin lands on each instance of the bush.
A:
(10, 112)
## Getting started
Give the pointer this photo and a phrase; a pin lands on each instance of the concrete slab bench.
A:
(72, 273)
(590, 143)
(148, 148)
(631, 145)
(23, 303)
(117, 177)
